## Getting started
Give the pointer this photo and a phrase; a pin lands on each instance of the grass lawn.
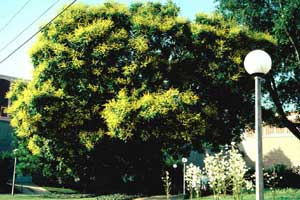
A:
(65, 194)
(285, 194)
(38, 197)
(66, 197)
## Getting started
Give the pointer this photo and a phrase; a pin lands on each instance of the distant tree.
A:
(281, 19)
(115, 87)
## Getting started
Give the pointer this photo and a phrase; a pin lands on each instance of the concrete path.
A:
(30, 188)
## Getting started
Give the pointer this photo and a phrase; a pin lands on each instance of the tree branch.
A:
(293, 44)
(292, 41)
(293, 127)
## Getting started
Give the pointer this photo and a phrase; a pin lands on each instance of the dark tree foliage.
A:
(281, 19)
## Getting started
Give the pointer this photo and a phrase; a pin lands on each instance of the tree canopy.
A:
(113, 83)
(281, 19)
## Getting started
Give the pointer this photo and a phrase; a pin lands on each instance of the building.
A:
(6, 132)
(280, 146)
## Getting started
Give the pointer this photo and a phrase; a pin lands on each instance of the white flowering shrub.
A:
(167, 184)
(225, 170)
(216, 170)
(236, 172)
(249, 186)
(193, 178)
(296, 170)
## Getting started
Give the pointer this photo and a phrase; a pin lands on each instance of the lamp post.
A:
(258, 63)
(14, 173)
(184, 160)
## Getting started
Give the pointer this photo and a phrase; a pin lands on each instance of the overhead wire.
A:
(14, 16)
(42, 28)
(28, 26)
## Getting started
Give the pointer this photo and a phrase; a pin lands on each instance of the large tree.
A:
(115, 87)
(281, 19)
(85, 59)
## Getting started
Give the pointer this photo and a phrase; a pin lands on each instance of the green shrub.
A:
(284, 176)
(290, 178)
(5, 174)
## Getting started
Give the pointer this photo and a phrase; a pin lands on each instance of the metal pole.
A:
(259, 162)
(14, 177)
(183, 179)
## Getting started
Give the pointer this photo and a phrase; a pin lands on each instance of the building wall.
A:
(6, 136)
(279, 147)
(4, 87)
(6, 131)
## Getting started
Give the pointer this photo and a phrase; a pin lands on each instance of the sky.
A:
(14, 31)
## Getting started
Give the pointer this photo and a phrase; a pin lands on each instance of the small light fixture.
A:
(184, 160)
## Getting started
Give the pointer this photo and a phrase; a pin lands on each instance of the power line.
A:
(27, 27)
(14, 51)
(13, 17)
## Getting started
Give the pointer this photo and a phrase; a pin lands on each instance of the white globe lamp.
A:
(258, 62)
